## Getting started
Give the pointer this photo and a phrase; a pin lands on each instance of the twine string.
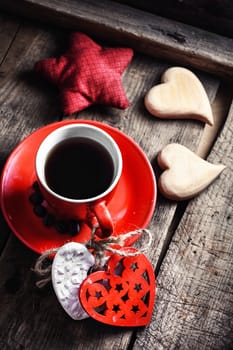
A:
(97, 247)
(44, 271)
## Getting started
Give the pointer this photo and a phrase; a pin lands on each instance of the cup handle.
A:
(104, 219)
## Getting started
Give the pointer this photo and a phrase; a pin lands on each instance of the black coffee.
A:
(79, 168)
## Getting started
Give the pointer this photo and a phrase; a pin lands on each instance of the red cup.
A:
(90, 208)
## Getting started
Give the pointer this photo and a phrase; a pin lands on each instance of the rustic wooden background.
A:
(192, 248)
(146, 32)
(212, 15)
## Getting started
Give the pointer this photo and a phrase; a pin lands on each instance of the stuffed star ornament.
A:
(87, 74)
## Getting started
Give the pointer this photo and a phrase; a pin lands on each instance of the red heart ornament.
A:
(124, 294)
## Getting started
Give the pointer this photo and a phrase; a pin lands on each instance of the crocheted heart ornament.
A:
(87, 74)
(123, 295)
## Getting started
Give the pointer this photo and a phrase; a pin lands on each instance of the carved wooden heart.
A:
(123, 295)
(186, 174)
(181, 95)
(69, 269)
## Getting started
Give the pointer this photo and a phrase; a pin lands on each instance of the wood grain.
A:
(194, 307)
(24, 103)
(151, 134)
(212, 15)
(8, 31)
(220, 108)
(145, 32)
(32, 318)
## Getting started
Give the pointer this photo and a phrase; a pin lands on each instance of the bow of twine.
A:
(43, 264)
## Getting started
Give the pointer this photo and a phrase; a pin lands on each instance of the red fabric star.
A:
(87, 74)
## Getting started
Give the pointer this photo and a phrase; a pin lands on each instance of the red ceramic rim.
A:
(131, 208)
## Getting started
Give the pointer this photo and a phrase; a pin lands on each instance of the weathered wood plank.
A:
(148, 33)
(212, 15)
(220, 108)
(24, 104)
(152, 134)
(194, 306)
(42, 307)
(33, 319)
(8, 31)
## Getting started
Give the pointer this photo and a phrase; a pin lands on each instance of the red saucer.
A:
(131, 207)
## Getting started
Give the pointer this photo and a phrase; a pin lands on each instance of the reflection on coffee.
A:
(79, 168)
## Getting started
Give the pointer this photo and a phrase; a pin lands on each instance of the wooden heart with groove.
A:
(123, 295)
(181, 95)
(186, 174)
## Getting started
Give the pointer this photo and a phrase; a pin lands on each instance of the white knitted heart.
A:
(70, 267)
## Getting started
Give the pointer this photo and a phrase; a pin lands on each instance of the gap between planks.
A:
(220, 108)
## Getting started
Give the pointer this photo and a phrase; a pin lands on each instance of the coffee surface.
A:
(79, 168)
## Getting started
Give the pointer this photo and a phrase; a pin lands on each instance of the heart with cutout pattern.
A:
(123, 294)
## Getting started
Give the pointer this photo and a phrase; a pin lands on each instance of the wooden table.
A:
(192, 246)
